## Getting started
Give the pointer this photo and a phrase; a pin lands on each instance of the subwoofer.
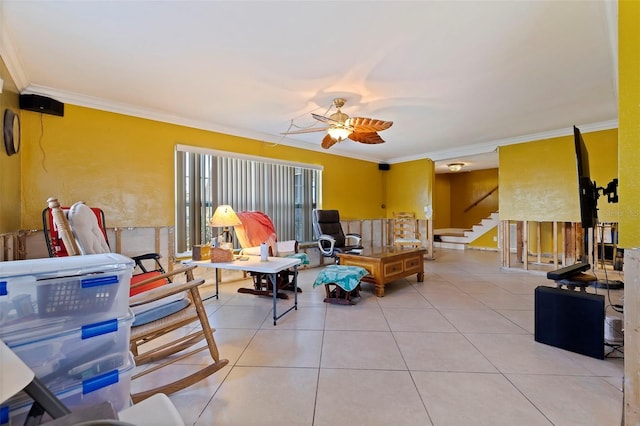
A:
(570, 320)
(42, 104)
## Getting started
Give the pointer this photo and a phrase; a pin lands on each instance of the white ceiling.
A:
(457, 78)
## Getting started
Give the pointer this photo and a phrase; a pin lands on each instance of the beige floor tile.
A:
(407, 297)
(189, 401)
(403, 319)
(240, 316)
(520, 353)
(355, 317)
(572, 400)
(361, 350)
(453, 300)
(362, 397)
(306, 317)
(478, 399)
(441, 352)
(507, 300)
(524, 319)
(263, 396)
(283, 348)
(481, 321)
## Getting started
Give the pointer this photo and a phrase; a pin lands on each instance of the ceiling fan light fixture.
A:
(455, 167)
(339, 133)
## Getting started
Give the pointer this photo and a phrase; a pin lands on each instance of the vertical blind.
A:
(286, 193)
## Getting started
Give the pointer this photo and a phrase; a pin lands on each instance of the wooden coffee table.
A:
(387, 264)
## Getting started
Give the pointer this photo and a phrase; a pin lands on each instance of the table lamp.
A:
(224, 217)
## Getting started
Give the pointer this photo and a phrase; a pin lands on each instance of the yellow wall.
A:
(10, 181)
(442, 201)
(487, 241)
(455, 192)
(538, 180)
(466, 189)
(409, 187)
(126, 166)
(629, 123)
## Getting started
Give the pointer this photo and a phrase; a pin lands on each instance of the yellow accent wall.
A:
(539, 180)
(629, 123)
(468, 188)
(455, 192)
(487, 241)
(10, 172)
(442, 201)
(125, 165)
(409, 187)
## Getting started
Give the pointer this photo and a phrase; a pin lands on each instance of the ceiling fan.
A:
(341, 127)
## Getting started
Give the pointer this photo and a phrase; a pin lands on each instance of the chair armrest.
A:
(146, 256)
(162, 292)
(287, 247)
(356, 238)
(324, 238)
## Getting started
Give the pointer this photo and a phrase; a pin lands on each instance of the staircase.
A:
(456, 238)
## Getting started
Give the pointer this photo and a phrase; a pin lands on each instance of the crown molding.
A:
(126, 109)
(464, 151)
(487, 147)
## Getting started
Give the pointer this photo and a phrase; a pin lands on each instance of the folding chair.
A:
(147, 265)
(257, 228)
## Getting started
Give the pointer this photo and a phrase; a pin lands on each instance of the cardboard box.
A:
(200, 252)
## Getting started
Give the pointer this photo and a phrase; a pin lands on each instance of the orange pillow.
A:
(148, 286)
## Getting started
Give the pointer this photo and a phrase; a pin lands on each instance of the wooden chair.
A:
(405, 230)
(182, 305)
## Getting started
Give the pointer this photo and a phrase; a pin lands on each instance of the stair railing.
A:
(481, 199)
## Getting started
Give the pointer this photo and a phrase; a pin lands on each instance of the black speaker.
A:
(384, 166)
(571, 320)
(42, 104)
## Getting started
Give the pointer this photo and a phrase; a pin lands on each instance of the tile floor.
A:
(457, 349)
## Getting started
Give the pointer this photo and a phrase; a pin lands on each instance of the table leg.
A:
(274, 290)
(421, 277)
(295, 287)
(217, 282)
(274, 278)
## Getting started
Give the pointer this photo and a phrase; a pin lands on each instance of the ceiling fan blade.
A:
(366, 137)
(366, 125)
(309, 130)
(328, 141)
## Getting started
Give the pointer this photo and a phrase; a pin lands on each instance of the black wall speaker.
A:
(571, 320)
(42, 104)
(384, 166)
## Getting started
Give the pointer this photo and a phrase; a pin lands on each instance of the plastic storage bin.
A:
(113, 386)
(62, 359)
(45, 295)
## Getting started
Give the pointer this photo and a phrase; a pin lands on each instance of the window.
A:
(286, 192)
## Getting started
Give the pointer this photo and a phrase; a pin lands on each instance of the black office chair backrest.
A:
(328, 222)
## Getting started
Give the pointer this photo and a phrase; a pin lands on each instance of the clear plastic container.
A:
(113, 385)
(53, 294)
(63, 358)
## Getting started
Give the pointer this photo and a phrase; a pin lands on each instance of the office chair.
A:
(331, 237)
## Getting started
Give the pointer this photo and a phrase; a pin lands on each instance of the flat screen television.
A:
(587, 187)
